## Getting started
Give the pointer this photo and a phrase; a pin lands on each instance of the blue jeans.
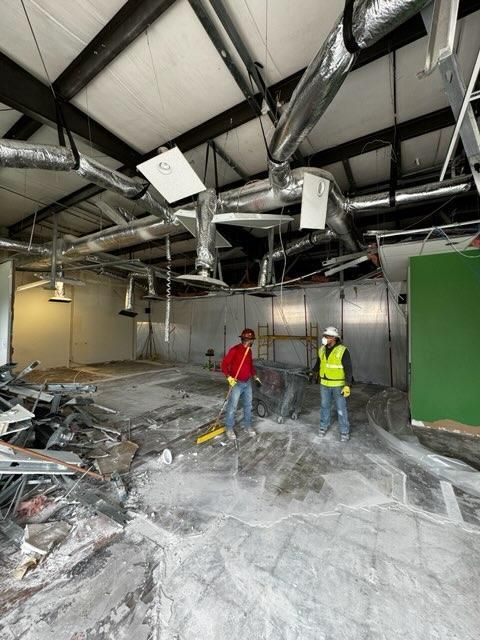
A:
(328, 394)
(240, 390)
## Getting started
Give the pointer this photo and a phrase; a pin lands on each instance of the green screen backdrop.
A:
(445, 337)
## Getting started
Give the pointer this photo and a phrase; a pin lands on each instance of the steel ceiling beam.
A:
(134, 17)
(241, 113)
(23, 92)
(241, 48)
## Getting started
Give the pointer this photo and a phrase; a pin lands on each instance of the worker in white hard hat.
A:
(334, 366)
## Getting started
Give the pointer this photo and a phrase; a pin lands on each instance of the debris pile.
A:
(61, 453)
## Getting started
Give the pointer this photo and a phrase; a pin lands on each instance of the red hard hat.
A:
(248, 334)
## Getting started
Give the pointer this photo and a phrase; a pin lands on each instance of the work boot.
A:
(231, 435)
(344, 437)
(251, 432)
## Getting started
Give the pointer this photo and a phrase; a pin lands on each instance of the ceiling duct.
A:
(119, 237)
(24, 247)
(411, 195)
(296, 246)
(26, 155)
(369, 21)
(152, 289)
(128, 310)
(284, 188)
(59, 295)
(207, 203)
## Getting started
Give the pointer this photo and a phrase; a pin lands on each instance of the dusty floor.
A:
(290, 537)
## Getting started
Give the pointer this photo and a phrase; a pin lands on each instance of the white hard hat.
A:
(331, 331)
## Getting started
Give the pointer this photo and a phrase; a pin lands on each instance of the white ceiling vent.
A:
(171, 174)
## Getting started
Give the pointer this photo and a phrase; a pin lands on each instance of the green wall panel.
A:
(445, 337)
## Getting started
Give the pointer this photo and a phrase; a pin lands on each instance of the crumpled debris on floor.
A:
(62, 457)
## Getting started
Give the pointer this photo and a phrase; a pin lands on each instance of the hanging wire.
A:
(38, 49)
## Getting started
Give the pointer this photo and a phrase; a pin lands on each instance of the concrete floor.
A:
(291, 537)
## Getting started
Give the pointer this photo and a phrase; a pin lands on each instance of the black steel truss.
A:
(126, 25)
(241, 113)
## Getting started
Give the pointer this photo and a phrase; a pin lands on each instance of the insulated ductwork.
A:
(113, 238)
(206, 231)
(412, 195)
(285, 188)
(128, 310)
(371, 20)
(25, 155)
(297, 246)
(24, 247)
(152, 289)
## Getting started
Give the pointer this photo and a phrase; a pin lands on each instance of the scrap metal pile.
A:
(60, 451)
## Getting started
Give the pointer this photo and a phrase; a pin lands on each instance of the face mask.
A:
(324, 341)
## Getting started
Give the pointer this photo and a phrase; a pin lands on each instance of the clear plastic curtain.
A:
(216, 322)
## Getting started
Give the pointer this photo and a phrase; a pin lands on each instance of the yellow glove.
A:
(231, 381)
(345, 391)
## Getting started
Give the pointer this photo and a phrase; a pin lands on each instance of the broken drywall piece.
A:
(28, 563)
(117, 458)
(40, 538)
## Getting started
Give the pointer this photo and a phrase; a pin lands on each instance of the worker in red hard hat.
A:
(335, 368)
(238, 368)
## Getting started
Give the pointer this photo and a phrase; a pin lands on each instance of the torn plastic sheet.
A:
(387, 417)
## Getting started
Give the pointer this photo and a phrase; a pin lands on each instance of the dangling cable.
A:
(169, 288)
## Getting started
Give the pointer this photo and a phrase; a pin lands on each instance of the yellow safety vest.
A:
(332, 373)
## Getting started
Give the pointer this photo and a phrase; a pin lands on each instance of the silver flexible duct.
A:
(152, 293)
(119, 237)
(206, 231)
(411, 195)
(372, 19)
(128, 310)
(267, 195)
(26, 155)
(24, 247)
(297, 246)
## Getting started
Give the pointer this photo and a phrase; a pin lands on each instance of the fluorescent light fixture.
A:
(171, 174)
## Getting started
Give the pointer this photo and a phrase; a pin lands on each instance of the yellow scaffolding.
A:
(265, 342)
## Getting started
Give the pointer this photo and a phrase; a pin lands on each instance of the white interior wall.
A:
(41, 329)
(6, 284)
(211, 322)
(85, 331)
(99, 334)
